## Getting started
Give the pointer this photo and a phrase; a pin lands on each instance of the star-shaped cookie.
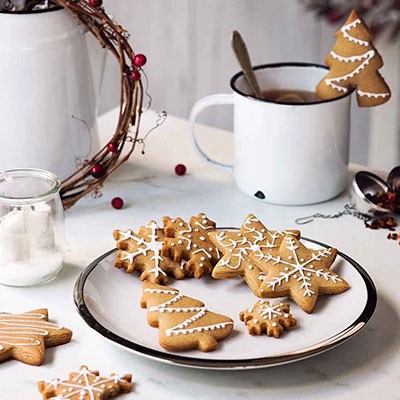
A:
(190, 242)
(24, 337)
(142, 251)
(298, 272)
(266, 317)
(237, 246)
(85, 385)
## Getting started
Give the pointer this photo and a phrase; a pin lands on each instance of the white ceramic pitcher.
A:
(48, 97)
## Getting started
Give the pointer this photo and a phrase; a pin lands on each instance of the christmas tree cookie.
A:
(298, 272)
(184, 323)
(190, 243)
(238, 246)
(272, 319)
(354, 62)
(142, 252)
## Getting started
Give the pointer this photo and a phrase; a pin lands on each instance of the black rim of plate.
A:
(194, 362)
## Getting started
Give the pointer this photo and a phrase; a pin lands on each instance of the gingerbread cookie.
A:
(354, 62)
(299, 272)
(237, 246)
(142, 251)
(266, 317)
(24, 337)
(184, 323)
(85, 385)
(190, 243)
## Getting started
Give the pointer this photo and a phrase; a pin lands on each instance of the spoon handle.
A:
(240, 49)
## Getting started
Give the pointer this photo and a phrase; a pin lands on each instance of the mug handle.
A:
(201, 105)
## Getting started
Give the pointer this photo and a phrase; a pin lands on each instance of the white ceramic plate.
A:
(109, 301)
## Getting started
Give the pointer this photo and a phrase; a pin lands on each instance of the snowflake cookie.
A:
(238, 246)
(184, 323)
(142, 251)
(85, 385)
(354, 62)
(190, 243)
(24, 337)
(266, 317)
(298, 272)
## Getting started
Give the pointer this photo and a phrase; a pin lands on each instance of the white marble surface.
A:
(366, 367)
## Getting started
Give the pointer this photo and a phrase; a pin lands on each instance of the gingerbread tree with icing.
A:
(354, 62)
(184, 323)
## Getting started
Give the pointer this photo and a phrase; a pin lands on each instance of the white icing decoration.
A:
(94, 390)
(16, 328)
(345, 30)
(300, 268)
(182, 328)
(186, 234)
(249, 242)
(370, 94)
(268, 311)
(365, 57)
(152, 245)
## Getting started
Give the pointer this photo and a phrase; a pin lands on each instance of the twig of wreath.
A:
(92, 173)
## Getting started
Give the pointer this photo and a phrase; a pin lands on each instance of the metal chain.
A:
(349, 209)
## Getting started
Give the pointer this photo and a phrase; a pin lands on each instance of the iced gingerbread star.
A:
(238, 246)
(85, 385)
(266, 317)
(142, 252)
(190, 243)
(24, 337)
(298, 272)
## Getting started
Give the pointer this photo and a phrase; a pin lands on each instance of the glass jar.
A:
(32, 229)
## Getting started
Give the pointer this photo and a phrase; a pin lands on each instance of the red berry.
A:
(112, 147)
(135, 75)
(180, 169)
(117, 203)
(139, 60)
(97, 171)
(334, 16)
(96, 3)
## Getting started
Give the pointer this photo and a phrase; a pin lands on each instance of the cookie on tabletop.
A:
(354, 62)
(189, 242)
(184, 323)
(24, 337)
(142, 252)
(237, 246)
(272, 319)
(299, 273)
(85, 385)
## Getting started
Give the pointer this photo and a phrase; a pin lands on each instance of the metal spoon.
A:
(242, 55)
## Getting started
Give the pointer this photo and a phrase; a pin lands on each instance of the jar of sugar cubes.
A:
(31, 227)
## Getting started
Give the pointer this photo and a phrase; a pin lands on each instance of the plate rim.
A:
(221, 364)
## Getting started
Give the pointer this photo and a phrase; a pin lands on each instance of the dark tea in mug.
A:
(290, 96)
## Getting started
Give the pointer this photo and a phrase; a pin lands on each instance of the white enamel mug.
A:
(287, 153)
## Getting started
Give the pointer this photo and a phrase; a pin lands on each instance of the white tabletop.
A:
(366, 367)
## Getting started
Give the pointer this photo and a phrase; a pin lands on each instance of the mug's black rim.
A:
(221, 364)
(280, 65)
(39, 11)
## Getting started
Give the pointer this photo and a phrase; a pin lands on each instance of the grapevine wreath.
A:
(91, 174)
